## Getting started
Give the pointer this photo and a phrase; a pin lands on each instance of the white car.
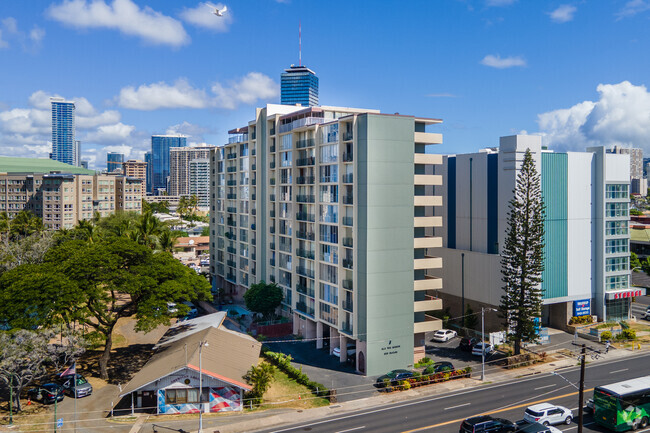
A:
(478, 348)
(443, 335)
(351, 350)
(547, 414)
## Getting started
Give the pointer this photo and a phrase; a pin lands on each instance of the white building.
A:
(586, 228)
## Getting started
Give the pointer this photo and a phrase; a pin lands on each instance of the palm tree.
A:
(149, 227)
(25, 223)
(166, 240)
(183, 206)
(89, 229)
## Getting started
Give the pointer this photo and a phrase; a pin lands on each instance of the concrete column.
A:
(310, 329)
(334, 339)
(343, 340)
(296, 324)
(319, 335)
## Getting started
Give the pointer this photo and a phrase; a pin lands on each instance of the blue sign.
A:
(582, 308)
(59, 423)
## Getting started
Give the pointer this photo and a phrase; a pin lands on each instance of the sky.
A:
(574, 72)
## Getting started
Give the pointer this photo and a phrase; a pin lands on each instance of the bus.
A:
(623, 405)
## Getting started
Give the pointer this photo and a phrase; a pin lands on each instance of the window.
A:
(328, 273)
(616, 191)
(329, 253)
(287, 142)
(615, 264)
(329, 173)
(329, 293)
(614, 246)
(616, 210)
(185, 395)
(329, 153)
(285, 159)
(615, 228)
(616, 282)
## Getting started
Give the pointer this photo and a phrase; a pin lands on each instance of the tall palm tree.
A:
(25, 223)
(89, 229)
(183, 206)
(166, 240)
(149, 227)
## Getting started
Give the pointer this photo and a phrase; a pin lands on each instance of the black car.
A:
(467, 343)
(439, 367)
(394, 377)
(486, 423)
(532, 427)
(47, 393)
(82, 387)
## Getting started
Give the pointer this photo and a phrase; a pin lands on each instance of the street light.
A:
(483, 341)
(201, 344)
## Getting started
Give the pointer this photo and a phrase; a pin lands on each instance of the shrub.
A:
(283, 362)
(627, 334)
(580, 320)
(428, 370)
(424, 361)
(404, 385)
(605, 335)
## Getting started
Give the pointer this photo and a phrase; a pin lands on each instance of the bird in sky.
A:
(218, 12)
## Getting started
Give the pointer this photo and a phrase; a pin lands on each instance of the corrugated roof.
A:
(640, 235)
(9, 164)
(227, 356)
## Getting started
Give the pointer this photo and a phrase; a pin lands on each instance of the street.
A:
(443, 414)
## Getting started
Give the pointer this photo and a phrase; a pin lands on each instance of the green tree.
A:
(263, 298)
(149, 228)
(30, 249)
(166, 240)
(470, 320)
(636, 212)
(522, 258)
(205, 231)
(96, 285)
(24, 224)
(261, 377)
(183, 207)
(634, 261)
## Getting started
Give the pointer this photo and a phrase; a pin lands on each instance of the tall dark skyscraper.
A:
(160, 145)
(64, 148)
(299, 85)
(114, 161)
(148, 158)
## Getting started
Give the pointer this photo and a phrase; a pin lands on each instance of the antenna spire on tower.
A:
(299, 43)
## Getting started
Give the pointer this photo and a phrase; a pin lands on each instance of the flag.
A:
(71, 370)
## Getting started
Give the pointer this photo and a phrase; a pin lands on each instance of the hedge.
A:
(427, 379)
(283, 362)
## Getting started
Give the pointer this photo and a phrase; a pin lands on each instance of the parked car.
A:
(394, 377)
(646, 316)
(351, 350)
(546, 413)
(478, 347)
(82, 386)
(439, 367)
(443, 335)
(467, 343)
(486, 423)
(47, 393)
(535, 427)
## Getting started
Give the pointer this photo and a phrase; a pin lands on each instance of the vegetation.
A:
(605, 335)
(470, 320)
(522, 259)
(636, 212)
(261, 377)
(263, 298)
(634, 262)
(187, 206)
(283, 362)
(580, 320)
(423, 362)
(427, 379)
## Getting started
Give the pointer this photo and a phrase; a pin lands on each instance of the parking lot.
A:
(449, 351)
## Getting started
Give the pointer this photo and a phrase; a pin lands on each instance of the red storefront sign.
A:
(628, 294)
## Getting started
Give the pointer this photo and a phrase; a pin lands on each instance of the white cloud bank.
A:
(621, 116)
(633, 7)
(502, 63)
(201, 16)
(122, 15)
(247, 90)
(563, 14)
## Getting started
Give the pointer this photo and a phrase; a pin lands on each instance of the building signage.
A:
(582, 308)
(625, 294)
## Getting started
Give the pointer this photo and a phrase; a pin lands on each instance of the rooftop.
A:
(9, 164)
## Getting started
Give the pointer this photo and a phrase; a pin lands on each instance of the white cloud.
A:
(3, 43)
(621, 116)
(499, 3)
(254, 86)
(162, 95)
(107, 134)
(632, 8)
(187, 128)
(10, 24)
(37, 34)
(124, 16)
(563, 14)
(202, 16)
(29, 42)
(502, 63)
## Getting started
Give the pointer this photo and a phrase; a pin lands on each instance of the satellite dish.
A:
(191, 242)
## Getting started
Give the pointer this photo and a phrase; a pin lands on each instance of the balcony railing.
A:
(272, 197)
(305, 180)
(272, 213)
(231, 182)
(231, 209)
(271, 229)
(254, 166)
(272, 181)
(347, 136)
(304, 216)
(305, 161)
(232, 250)
(232, 278)
(346, 328)
(309, 236)
(348, 178)
(232, 156)
(347, 157)
(305, 253)
(231, 169)
(305, 272)
(347, 305)
(347, 284)
(347, 199)
(347, 263)
(272, 245)
(272, 149)
(302, 308)
(347, 221)
(231, 196)
(231, 263)
(305, 143)
(306, 198)
(309, 291)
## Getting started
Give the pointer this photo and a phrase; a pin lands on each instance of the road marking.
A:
(454, 407)
(546, 386)
(575, 426)
(618, 371)
(496, 411)
(351, 429)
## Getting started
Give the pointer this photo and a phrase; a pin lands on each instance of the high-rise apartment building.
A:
(199, 182)
(586, 243)
(62, 195)
(77, 153)
(299, 85)
(179, 167)
(638, 185)
(64, 147)
(114, 162)
(148, 159)
(331, 204)
(160, 157)
(135, 168)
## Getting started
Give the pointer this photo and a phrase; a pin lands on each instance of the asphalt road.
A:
(444, 413)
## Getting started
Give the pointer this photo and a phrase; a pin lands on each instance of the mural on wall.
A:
(222, 399)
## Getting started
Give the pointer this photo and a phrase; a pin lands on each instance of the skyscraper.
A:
(299, 85)
(63, 132)
(179, 167)
(114, 161)
(148, 159)
(160, 145)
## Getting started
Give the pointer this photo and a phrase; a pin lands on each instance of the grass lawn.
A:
(285, 392)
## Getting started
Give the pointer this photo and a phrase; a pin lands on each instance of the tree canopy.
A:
(263, 298)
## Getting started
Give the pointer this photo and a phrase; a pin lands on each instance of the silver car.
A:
(547, 414)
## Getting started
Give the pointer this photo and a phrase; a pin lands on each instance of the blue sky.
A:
(574, 72)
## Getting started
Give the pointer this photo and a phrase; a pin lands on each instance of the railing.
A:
(254, 181)
(305, 253)
(231, 169)
(286, 179)
(347, 305)
(347, 157)
(237, 138)
(347, 263)
(347, 178)
(271, 229)
(272, 213)
(331, 238)
(306, 198)
(253, 241)
(328, 179)
(253, 211)
(302, 180)
(231, 250)
(347, 221)
(347, 136)
(272, 131)
(272, 262)
(285, 197)
(272, 245)
(253, 152)
(305, 161)
(231, 223)
(347, 284)
(231, 209)
(346, 328)
(232, 156)
(309, 236)
(272, 197)
(329, 218)
(231, 263)
(347, 242)
(272, 149)
(348, 199)
(306, 121)
(231, 196)
(231, 182)
(305, 272)
(302, 308)
(309, 291)
(253, 196)
(305, 143)
(304, 216)
(232, 278)
(284, 246)
(272, 181)
(253, 166)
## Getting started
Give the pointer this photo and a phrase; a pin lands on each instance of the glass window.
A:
(329, 153)
(287, 142)
(329, 193)
(615, 264)
(329, 173)
(616, 282)
(285, 159)
(329, 213)
(617, 191)
(328, 273)
(329, 133)
(329, 253)
(613, 246)
(616, 210)
(615, 228)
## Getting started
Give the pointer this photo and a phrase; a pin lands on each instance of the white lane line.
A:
(454, 407)
(546, 386)
(618, 371)
(575, 426)
(351, 429)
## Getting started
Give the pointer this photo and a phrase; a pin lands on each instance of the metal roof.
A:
(627, 386)
(10, 165)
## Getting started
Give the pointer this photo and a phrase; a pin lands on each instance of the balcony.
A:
(272, 149)
(428, 263)
(309, 273)
(253, 241)
(231, 196)
(253, 166)
(427, 138)
(428, 283)
(304, 216)
(347, 221)
(305, 180)
(347, 263)
(429, 324)
(231, 223)
(347, 242)
(272, 197)
(427, 242)
(347, 136)
(305, 161)
(347, 157)
(231, 263)
(308, 236)
(231, 169)
(253, 211)
(231, 156)
(427, 179)
(348, 178)
(347, 284)
(305, 198)
(305, 290)
(232, 278)
(434, 221)
(272, 262)
(272, 181)
(301, 307)
(231, 183)
(232, 250)
(300, 144)
(305, 254)
(254, 181)
(348, 199)
(272, 131)
(272, 245)
(272, 213)
(346, 328)
(430, 303)
(231, 209)
(271, 229)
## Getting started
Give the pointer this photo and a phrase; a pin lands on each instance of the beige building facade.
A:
(179, 167)
(135, 168)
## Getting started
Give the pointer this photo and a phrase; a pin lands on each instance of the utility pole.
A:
(582, 388)
(483, 345)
